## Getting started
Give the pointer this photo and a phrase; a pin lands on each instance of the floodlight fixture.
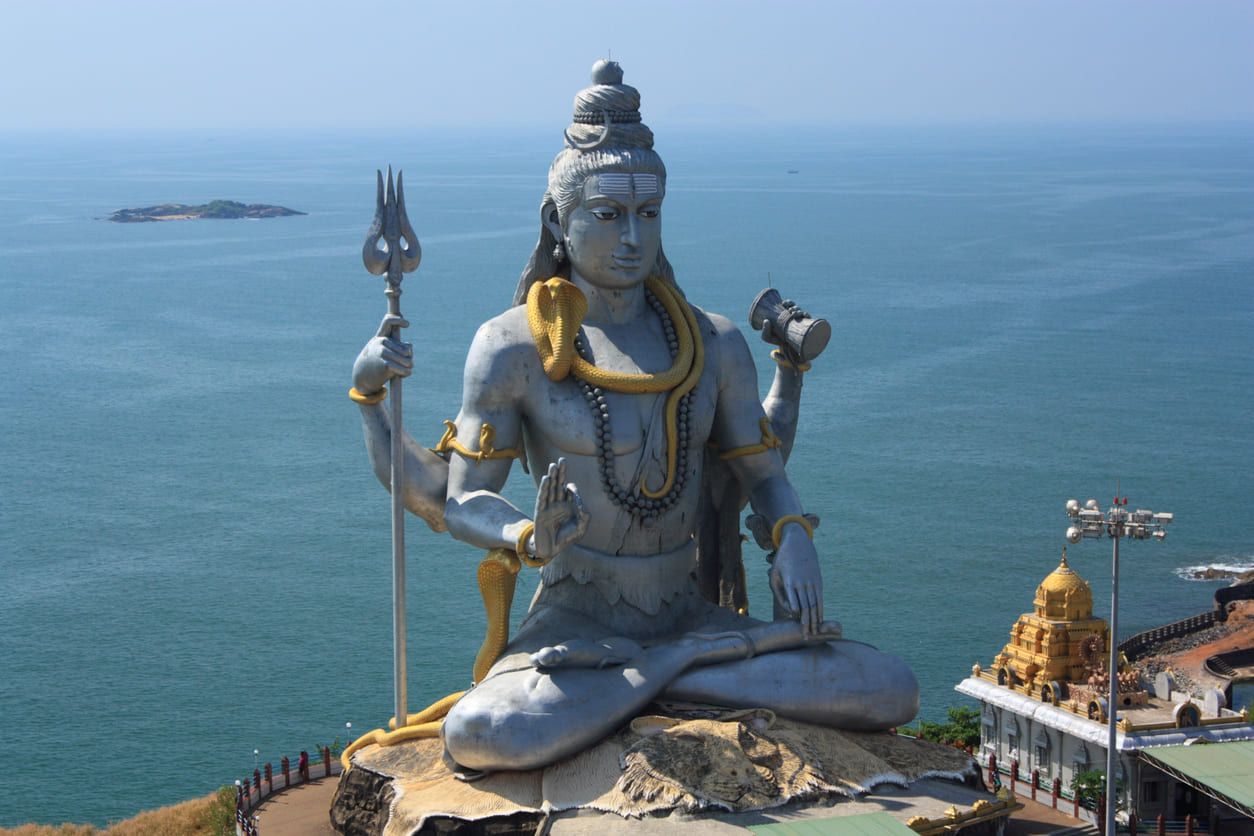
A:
(1117, 523)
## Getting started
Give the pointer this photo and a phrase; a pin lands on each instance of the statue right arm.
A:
(426, 474)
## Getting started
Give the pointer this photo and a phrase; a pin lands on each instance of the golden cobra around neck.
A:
(555, 310)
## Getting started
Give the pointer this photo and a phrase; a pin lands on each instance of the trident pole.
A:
(391, 250)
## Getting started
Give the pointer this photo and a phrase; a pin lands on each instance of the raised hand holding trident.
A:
(392, 249)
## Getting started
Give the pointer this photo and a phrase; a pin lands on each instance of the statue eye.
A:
(650, 212)
(604, 213)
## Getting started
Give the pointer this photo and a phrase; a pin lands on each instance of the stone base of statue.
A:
(668, 773)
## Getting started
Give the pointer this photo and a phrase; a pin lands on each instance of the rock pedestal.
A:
(700, 775)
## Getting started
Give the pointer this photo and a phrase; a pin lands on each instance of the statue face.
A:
(614, 234)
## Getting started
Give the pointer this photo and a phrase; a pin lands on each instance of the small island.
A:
(212, 209)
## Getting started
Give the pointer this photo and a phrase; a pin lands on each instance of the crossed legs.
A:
(551, 697)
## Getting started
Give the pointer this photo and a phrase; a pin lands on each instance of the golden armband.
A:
(770, 441)
(487, 449)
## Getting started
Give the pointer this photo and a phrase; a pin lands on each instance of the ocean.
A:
(195, 555)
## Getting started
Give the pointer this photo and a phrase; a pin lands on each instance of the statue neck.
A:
(613, 307)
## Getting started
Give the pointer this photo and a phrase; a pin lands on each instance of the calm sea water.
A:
(194, 554)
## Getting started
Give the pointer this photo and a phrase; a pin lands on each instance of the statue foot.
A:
(580, 653)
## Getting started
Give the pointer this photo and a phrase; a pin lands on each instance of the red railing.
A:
(1049, 792)
(1188, 826)
(250, 792)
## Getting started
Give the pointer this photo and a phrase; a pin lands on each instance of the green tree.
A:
(223, 209)
(963, 727)
(1089, 787)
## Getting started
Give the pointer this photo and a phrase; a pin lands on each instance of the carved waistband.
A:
(643, 582)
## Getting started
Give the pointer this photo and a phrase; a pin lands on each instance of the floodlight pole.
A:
(1118, 523)
(1113, 699)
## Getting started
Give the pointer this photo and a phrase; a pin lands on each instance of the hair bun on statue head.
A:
(607, 113)
(606, 71)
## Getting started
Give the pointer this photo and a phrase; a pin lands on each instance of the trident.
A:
(392, 248)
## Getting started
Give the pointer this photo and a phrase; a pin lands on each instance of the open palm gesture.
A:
(560, 518)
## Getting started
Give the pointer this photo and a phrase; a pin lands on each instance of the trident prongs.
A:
(391, 246)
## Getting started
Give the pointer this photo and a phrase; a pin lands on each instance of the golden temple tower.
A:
(1057, 645)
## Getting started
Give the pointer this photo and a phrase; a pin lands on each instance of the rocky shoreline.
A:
(217, 209)
(1212, 573)
(1185, 656)
(1170, 656)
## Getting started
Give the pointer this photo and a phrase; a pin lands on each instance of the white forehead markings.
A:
(621, 183)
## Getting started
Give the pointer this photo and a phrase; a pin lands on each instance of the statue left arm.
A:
(795, 578)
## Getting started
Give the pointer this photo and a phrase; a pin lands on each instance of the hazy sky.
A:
(125, 64)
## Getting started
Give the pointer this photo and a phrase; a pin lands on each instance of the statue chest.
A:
(571, 421)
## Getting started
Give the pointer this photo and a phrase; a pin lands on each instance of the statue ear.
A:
(552, 221)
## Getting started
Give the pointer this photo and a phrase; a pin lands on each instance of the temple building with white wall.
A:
(1043, 705)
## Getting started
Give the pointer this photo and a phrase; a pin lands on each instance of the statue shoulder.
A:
(717, 325)
(727, 354)
(502, 351)
(505, 329)
(723, 340)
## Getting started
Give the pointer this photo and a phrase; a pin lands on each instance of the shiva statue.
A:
(605, 376)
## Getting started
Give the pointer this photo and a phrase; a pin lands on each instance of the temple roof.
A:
(1064, 595)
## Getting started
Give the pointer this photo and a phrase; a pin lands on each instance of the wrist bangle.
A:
(520, 547)
(782, 521)
(524, 554)
(368, 400)
(779, 357)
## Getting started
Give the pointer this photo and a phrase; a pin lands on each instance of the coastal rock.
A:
(361, 803)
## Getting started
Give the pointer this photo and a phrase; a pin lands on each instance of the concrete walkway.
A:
(303, 810)
(1036, 819)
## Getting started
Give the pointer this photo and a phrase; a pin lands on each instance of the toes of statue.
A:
(549, 657)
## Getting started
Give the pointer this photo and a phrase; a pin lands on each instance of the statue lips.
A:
(628, 262)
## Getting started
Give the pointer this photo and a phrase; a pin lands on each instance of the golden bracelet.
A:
(520, 547)
(368, 400)
(797, 518)
(779, 357)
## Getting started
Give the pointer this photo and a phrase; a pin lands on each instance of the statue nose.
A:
(631, 230)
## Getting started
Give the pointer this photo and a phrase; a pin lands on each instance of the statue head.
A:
(606, 136)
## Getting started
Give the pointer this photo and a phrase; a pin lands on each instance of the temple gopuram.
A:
(1058, 651)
